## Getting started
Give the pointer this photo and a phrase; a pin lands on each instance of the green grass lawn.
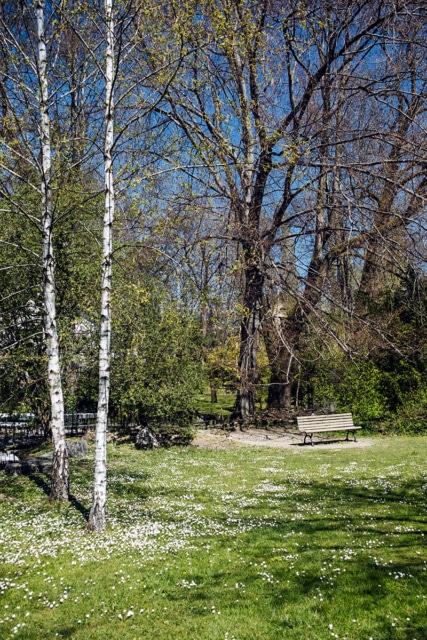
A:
(242, 544)
(222, 409)
(224, 406)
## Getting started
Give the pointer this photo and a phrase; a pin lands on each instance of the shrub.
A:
(156, 362)
(383, 393)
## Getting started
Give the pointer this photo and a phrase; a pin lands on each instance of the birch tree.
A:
(29, 38)
(60, 476)
(97, 516)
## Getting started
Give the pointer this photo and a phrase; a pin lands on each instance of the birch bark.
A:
(60, 477)
(97, 516)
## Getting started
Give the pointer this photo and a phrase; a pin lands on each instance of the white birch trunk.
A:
(97, 516)
(60, 478)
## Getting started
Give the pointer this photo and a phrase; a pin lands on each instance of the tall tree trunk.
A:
(280, 389)
(280, 355)
(60, 478)
(280, 360)
(97, 516)
(214, 394)
(385, 256)
(249, 341)
(283, 341)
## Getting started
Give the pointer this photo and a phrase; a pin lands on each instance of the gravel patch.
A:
(217, 439)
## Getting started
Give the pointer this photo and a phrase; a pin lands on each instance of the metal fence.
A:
(15, 426)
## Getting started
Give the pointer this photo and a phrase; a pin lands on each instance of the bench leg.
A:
(311, 438)
(354, 436)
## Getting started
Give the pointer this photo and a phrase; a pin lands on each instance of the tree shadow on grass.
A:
(67, 632)
(335, 517)
(290, 598)
(369, 521)
(38, 479)
(342, 553)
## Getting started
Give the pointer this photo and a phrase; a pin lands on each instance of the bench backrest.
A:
(332, 420)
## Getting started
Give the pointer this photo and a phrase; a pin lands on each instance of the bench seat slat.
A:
(324, 424)
(346, 425)
(327, 428)
(325, 419)
(335, 417)
(330, 416)
(316, 425)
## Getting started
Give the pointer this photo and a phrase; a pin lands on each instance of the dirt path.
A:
(216, 439)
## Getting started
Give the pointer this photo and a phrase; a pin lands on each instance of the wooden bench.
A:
(309, 425)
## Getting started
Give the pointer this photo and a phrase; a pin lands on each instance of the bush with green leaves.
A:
(23, 363)
(385, 392)
(156, 363)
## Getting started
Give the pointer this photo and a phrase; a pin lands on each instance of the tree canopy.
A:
(270, 181)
